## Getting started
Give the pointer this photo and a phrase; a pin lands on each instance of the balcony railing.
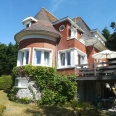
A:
(96, 69)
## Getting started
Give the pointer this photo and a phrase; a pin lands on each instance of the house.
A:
(61, 43)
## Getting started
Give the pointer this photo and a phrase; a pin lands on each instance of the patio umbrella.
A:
(104, 54)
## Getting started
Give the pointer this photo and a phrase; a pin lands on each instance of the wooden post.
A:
(94, 66)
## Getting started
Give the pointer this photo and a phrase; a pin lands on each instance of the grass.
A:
(17, 109)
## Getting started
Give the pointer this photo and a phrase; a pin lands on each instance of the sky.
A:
(96, 13)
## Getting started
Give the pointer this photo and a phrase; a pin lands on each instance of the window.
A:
(42, 57)
(73, 32)
(23, 57)
(27, 25)
(65, 58)
(61, 28)
(62, 55)
(21, 82)
(38, 57)
(46, 58)
(80, 59)
(68, 58)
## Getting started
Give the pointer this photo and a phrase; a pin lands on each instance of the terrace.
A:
(96, 71)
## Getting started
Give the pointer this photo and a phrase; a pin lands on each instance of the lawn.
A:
(17, 109)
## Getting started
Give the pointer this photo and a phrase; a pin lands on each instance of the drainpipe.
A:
(56, 54)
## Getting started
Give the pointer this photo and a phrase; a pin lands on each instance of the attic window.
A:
(61, 28)
(27, 21)
(27, 25)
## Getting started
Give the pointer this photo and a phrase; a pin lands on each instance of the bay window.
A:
(23, 57)
(65, 58)
(42, 57)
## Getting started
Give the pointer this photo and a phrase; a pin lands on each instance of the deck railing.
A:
(96, 69)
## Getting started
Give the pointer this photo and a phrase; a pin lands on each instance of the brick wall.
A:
(65, 42)
(66, 71)
(40, 43)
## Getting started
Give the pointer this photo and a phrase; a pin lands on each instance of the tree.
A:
(113, 25)
(8, 58)
(111, 38)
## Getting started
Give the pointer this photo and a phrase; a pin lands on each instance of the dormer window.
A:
(73, 32)
(27, 21)
(27, 25)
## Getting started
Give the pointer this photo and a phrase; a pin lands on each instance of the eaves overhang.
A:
(70, 20)
(101, 36)
(19, 35)
(93, 41)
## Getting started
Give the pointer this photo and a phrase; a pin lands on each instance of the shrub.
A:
(55, 88)
(47, 97)
(25, 100)
(12, 93)
(2, 108)
(5, 82)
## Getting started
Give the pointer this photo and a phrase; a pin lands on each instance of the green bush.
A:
(55, 88)
(5, 82)
(25, 100)
(2, 108)
(12, 93)
(47, 97)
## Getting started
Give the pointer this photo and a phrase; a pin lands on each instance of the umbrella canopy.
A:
(105, 54)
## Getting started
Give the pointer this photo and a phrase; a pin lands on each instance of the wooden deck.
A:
(96, 71)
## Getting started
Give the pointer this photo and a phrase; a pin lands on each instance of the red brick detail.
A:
(90, 52)
(66, 71)
(65, 42)
(40, 43)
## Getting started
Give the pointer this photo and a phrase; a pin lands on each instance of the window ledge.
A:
(22, 87)
(72, 38)
(64, 67)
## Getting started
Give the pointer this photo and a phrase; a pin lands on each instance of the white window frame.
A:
(66, 58)
(19, 59)
(73, 33)
(42, 56)
(79, 52)
(20, 84)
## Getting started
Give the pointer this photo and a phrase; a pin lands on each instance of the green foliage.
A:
(2, 108)
(8, 58)
(25, 100)
(113, 25)
(55, 88)
(31, 90)
(12, 93)
(5, 82)
(47, 97)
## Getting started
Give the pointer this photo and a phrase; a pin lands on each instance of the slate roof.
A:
(79, 21)
(43, 22)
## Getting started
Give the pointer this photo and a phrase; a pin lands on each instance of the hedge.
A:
(5, 82)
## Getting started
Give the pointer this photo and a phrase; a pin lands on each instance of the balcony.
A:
(96, 71)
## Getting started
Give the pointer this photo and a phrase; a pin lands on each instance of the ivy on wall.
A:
(55, 88)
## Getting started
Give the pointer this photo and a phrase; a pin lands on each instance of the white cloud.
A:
(55, 4)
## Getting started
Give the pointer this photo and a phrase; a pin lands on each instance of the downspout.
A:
(56, 54)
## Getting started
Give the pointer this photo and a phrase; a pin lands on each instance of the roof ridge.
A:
(50, 13)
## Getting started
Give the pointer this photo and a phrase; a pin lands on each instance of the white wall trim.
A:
(37, 36)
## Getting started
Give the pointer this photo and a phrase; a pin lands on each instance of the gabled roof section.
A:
(70, 20)
(80, 22)
(96, 31)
